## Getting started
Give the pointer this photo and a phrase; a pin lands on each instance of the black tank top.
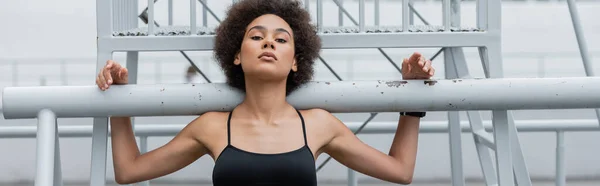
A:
(237, 167)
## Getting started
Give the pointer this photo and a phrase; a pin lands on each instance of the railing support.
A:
(48, 171)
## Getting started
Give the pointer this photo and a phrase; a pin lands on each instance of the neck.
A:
(265, 100)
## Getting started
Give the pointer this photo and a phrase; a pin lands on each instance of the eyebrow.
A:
(259, 27)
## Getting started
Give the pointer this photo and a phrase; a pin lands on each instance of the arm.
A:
(131, 167)
(397, 166)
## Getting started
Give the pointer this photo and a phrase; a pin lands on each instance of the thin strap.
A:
(303, 128)
(229, 128)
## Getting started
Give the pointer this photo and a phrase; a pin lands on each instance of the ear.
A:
(237, 60)
(295, 65)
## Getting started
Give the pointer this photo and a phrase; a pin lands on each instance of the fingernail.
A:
(110, 81)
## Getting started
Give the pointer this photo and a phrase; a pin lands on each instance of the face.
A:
(267, 50)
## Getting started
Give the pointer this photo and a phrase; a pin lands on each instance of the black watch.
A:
(415, 114)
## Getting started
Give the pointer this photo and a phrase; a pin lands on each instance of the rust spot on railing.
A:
(430, 82)
(395, 83)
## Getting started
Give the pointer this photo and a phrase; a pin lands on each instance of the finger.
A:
(415, 57)
(405, 66)
(431, 72)
(107, 76)
(426, 66)
(101, 81)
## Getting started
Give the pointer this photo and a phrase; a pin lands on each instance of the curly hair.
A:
(231, 31)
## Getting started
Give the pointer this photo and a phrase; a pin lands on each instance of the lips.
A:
(267, 55)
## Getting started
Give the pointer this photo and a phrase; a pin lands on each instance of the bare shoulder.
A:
(322, 126)
(323, 119)
(210, 129)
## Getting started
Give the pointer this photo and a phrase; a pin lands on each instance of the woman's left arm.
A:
(398, 165)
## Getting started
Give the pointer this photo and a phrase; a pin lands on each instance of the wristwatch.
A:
(415, 114)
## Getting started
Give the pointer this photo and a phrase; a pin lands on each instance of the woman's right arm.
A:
(129, 165)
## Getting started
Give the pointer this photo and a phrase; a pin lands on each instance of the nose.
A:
(268, 44)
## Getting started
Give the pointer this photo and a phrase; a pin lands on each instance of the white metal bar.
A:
(193, 28)
(99, 132)
(151, 18)
(560, 159)
(376, 12)
(484, 155)
(405, 16)
(57, 163)
(485, 138)
(583, 50)
(320, 24)
(104, 15)
(352, 179)
(204, 13)
(411, 13)
(341, 13)
(454, 136)
(170, 12)
(361, 15)
(329, 41)
(521, 172)
(170, 129)
(481, 14)
(494, 16)
(502, 136)
(183, 99)
(46, 144)
(446, 14)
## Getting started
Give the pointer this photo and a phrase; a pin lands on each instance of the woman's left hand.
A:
(417, 67)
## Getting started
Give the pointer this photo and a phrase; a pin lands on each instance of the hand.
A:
(417, 67)
(112, 73)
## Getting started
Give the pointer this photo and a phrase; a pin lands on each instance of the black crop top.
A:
(237, 167)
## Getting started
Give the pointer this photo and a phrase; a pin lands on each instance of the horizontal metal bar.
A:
(486, 139)
(336, 97)
(329, 41)
(170, 129)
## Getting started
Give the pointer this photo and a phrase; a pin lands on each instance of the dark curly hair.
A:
(231, 31)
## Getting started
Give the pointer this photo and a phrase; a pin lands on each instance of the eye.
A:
(281, 40)
(255, 37)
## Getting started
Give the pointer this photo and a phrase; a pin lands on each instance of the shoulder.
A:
(323, 122)
(323, 117)
(208, 123)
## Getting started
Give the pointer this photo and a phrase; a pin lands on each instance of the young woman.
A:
(266, 48)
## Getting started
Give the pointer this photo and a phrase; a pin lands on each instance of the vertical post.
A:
(192, 17)
(151, 17)
(411, 13)
(204, 13)
(99, 133)
(446, 14)
(361, 15)
(170, 12)
(587, 61)
(320, 15)
(46, 145)
(100, 128)
(57, 167)
(482, 14)
(405, 16)
(352, 179)
(454, 129)
(376, 12)
(340, 13)
(560, 159)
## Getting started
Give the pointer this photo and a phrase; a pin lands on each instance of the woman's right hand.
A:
(112, 73)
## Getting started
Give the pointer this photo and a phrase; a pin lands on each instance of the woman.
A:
(267, 49)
